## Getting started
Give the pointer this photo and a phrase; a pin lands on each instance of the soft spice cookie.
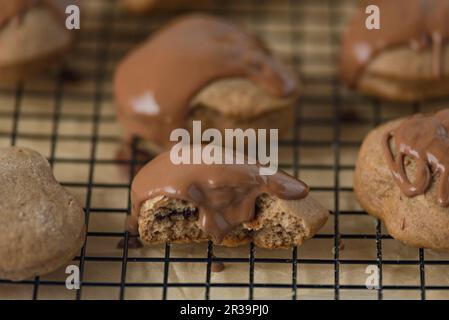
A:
(230, 204)
(41, 225)
(402, 177)
(32, 36)
(240, 103)
(201, 67)
(407, 59)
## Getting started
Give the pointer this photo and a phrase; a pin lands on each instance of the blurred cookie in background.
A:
(201, 67)
(407, 59)
(148, 6)
(33, 36)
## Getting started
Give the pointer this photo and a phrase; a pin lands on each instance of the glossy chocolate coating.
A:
(225, 194)
(155, 83)
(420, 24)
(424, 139)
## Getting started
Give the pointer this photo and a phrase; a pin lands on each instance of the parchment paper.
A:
(304, 31)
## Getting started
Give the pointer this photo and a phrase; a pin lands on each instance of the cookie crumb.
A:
(349, 115)
(133, 243)
(403, 223)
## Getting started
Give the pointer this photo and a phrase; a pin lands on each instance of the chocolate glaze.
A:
(133, 243)
(156, 82)
(217, 266)
(225, 194)
(424, 139)
(16, 9)
(422, 24)
(131, 158)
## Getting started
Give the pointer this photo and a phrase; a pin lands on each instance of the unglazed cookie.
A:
(230, 204)
(407, 58)
(41, 225)
(33, 36)
(201, 67)
(402, 175)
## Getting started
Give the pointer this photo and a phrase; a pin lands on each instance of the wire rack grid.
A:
(73, 124)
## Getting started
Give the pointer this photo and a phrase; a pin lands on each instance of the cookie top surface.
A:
(40, 35)
(157, 81)
(238, 98)
(420, 24)
(419, 221)
(425, 139)
(40, 223)
(225, 194)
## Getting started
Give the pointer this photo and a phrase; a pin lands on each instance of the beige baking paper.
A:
(307, 30)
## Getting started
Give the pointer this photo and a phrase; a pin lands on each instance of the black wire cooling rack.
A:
(60, 113)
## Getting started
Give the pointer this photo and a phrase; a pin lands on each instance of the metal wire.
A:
(108, 29)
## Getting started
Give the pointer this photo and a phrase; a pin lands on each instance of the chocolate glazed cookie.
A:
(230, 204)
(33, 36)
(402, 177)
(407, 58)
(201, 67)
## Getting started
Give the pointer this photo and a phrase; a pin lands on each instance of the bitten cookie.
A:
(41, 225)
(230, 204)
(407, 59)
(201, 67)
(33, 36)
(401, 177)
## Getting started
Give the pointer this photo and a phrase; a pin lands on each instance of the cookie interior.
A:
(170, 220)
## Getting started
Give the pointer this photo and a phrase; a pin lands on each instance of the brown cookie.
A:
(201, 67)
(407, 58)
(231, 104)
(41, 225)
(228, 203)
(32, 37)
(403, 74)
(411, 212)
(277, 224)
(239, 103)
